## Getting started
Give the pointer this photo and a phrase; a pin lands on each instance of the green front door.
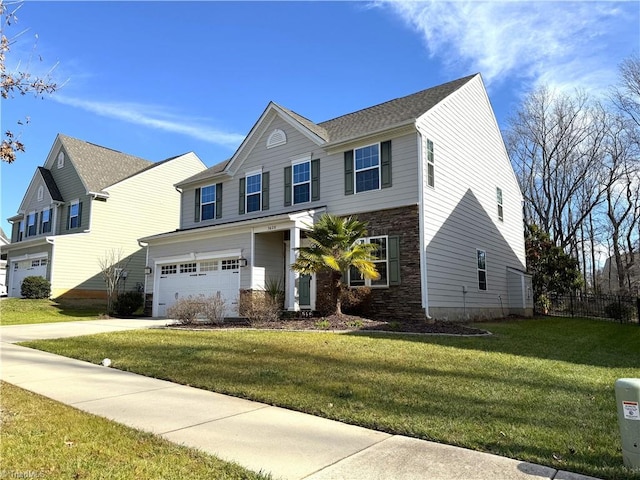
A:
(304, 290)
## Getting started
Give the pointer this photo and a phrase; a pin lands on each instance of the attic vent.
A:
(276, 138)
(61, 160)
(40, 193)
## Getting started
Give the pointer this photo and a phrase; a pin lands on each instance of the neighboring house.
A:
(85, 203)
(4, 241)
(610, 283)
(429, 173)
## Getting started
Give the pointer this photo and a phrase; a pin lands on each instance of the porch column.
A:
(292, 276)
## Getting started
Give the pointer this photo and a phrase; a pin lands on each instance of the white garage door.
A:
(25, 268)
(204, 277)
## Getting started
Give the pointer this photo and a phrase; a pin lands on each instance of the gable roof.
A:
(389, 114)
(51, 184)
(99, 167)
(393, 113)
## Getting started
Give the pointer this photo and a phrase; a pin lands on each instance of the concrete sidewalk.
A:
(287, 444)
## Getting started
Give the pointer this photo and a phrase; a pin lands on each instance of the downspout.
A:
(421, 214)
(146, 264)
(50, 240)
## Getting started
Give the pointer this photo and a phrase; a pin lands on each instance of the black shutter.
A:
(393, 253)
(196, 207)
(265, 191)
(241, 197)
(287, 186)
(219, 200)
(39, 227)
(348, 172)
(79, 214)
(68, 217)
(385, 163)
(315, 180)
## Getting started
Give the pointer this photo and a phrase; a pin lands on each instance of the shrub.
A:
(35, 287)
(259, 306)
(128, 302)
(356, 301)
(619, 311)
(213, 308)
(186, 309)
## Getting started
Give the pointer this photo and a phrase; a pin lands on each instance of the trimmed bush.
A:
(619, 311)
(259, 306)
(127, 303)
(35, 287)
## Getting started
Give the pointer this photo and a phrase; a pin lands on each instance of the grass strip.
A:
(42, 438)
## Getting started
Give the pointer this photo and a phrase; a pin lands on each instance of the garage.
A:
(23, 269)
(193, 278)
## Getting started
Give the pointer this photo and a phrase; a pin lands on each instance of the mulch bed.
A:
(345, 323)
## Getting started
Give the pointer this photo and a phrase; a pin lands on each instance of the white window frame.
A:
(482, 270)
(230, 264)
(40, 193)
(366, 282)
(75, 203)
(31, 217)
(258, 193)
(500, 204)
(169, 269)
(203, 203)
(294, 184)
(361, 170)
(431, 165)
(42, 223)
(61, 159)
(189, 267)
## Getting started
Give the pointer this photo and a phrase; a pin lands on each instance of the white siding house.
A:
(428, 172)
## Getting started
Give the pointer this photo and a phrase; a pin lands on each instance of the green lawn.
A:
(538, 390)
(45, 439)
(22, 311)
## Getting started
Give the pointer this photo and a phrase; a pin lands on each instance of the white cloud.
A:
(154, 117)
(563, 44)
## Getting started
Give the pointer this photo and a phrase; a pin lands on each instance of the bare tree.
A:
(113, 267)
(19, 81)
(555, 142)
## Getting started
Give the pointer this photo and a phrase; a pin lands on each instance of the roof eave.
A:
(404, 127)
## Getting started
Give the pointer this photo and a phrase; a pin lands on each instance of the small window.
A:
(367, 168)
(230, 264)
(31, 224)
(43, 262)
(16, 266)
(301, 182)
(482, 269)
(431, 169)
(209, 266)
(168, 269)
(46, 221)
(187, 268)
(499, 202)
(35, 263)
(208, 202)
(40, 193)
(74, 214)
(277, 137)
(61, 160)
(381, 262)
(254, 193)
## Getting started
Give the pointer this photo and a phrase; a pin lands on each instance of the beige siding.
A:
(461, 211)
(139, 206)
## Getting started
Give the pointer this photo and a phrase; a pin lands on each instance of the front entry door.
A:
(304, 290)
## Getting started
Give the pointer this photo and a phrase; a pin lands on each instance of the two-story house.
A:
(429, 173)
(87, 204)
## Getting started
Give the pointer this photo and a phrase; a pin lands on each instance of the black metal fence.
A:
(613, 307)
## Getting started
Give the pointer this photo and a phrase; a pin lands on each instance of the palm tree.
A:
(335, 247)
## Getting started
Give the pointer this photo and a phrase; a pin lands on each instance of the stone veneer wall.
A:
(401, 302)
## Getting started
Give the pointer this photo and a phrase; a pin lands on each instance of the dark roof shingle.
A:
(51, 184)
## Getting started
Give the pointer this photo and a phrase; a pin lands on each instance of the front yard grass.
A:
(45, 439)
(538, 390)
(22, 311)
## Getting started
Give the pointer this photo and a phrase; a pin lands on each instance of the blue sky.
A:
(157, 79)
